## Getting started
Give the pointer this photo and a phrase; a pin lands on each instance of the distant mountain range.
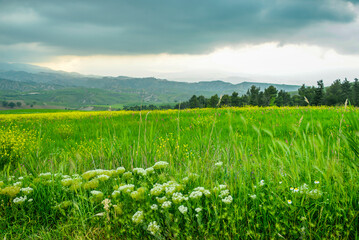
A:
(48, 87)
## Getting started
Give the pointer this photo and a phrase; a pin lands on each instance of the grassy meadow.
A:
(226, 173)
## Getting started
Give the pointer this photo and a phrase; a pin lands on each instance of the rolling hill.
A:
(45, 86)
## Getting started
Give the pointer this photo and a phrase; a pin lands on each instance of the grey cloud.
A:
(140, 26)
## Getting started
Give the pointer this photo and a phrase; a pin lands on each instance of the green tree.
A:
(355, 92)
(253, 96)
(306, 92)
(283, 99)
(18, 104)
(213, 101)
(193, 102)
(319, 94)
(235, 99)
(346, 91)
(333, 93)
(11, 104)
(270, 95)
(226, 100)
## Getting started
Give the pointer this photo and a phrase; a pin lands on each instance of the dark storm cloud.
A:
(48, 28)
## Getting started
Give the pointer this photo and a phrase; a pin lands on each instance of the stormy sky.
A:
(287, 41)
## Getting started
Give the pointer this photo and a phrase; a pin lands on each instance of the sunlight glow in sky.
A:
(269, 60)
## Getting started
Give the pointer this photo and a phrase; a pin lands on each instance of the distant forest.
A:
(335, 94)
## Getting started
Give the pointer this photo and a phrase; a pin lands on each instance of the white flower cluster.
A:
(253, 196)
(224, 193)
(218, 164)
(169, 187)
(19, 200)
(227, 200)
(154, 206)
(140, 171)
(97, 172)
(166, 204)
(116, 194)
(126, 188)
(66, 182)
(138, 217)
(178, 198)
(160, 165)
(156, 190)
(220, 187)
(183, 209)
(170, 190)
(150, 170)
(196, 195)
(27, 190)
(206, 192)
(45, 175)
(153, 228)
(102, 177)
(18, 184)
(161, 200)
(96, 193)
(198, 209)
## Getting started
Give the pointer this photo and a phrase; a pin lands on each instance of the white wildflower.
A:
(45, 175)
(261, 183)
(160, 165)
(120, 170)
(170, 190)
(102, 177)
(178, 197)
(153, 228)
(227, 200)
(138, 217)
(154, 206)
(221, 187)
(140, 171)
(218, 164)
(27, 190)
(161, 200)
(19, 200)
(196, 195)
(126, 188)
(253, 196)
(316, 182)
(289, 201)
(156, 190)
(149, 170)
(18, 184)
(198, 209)
(21, 178)
(166, 204)
(116, 194)
(183, 209)
(224, 193)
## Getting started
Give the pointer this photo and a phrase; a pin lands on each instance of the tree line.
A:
(336, 94)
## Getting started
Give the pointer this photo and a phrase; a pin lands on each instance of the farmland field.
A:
(226, 173)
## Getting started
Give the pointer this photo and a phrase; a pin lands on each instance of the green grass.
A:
(284, 147)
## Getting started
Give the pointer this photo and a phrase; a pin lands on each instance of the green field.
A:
(232, 173)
